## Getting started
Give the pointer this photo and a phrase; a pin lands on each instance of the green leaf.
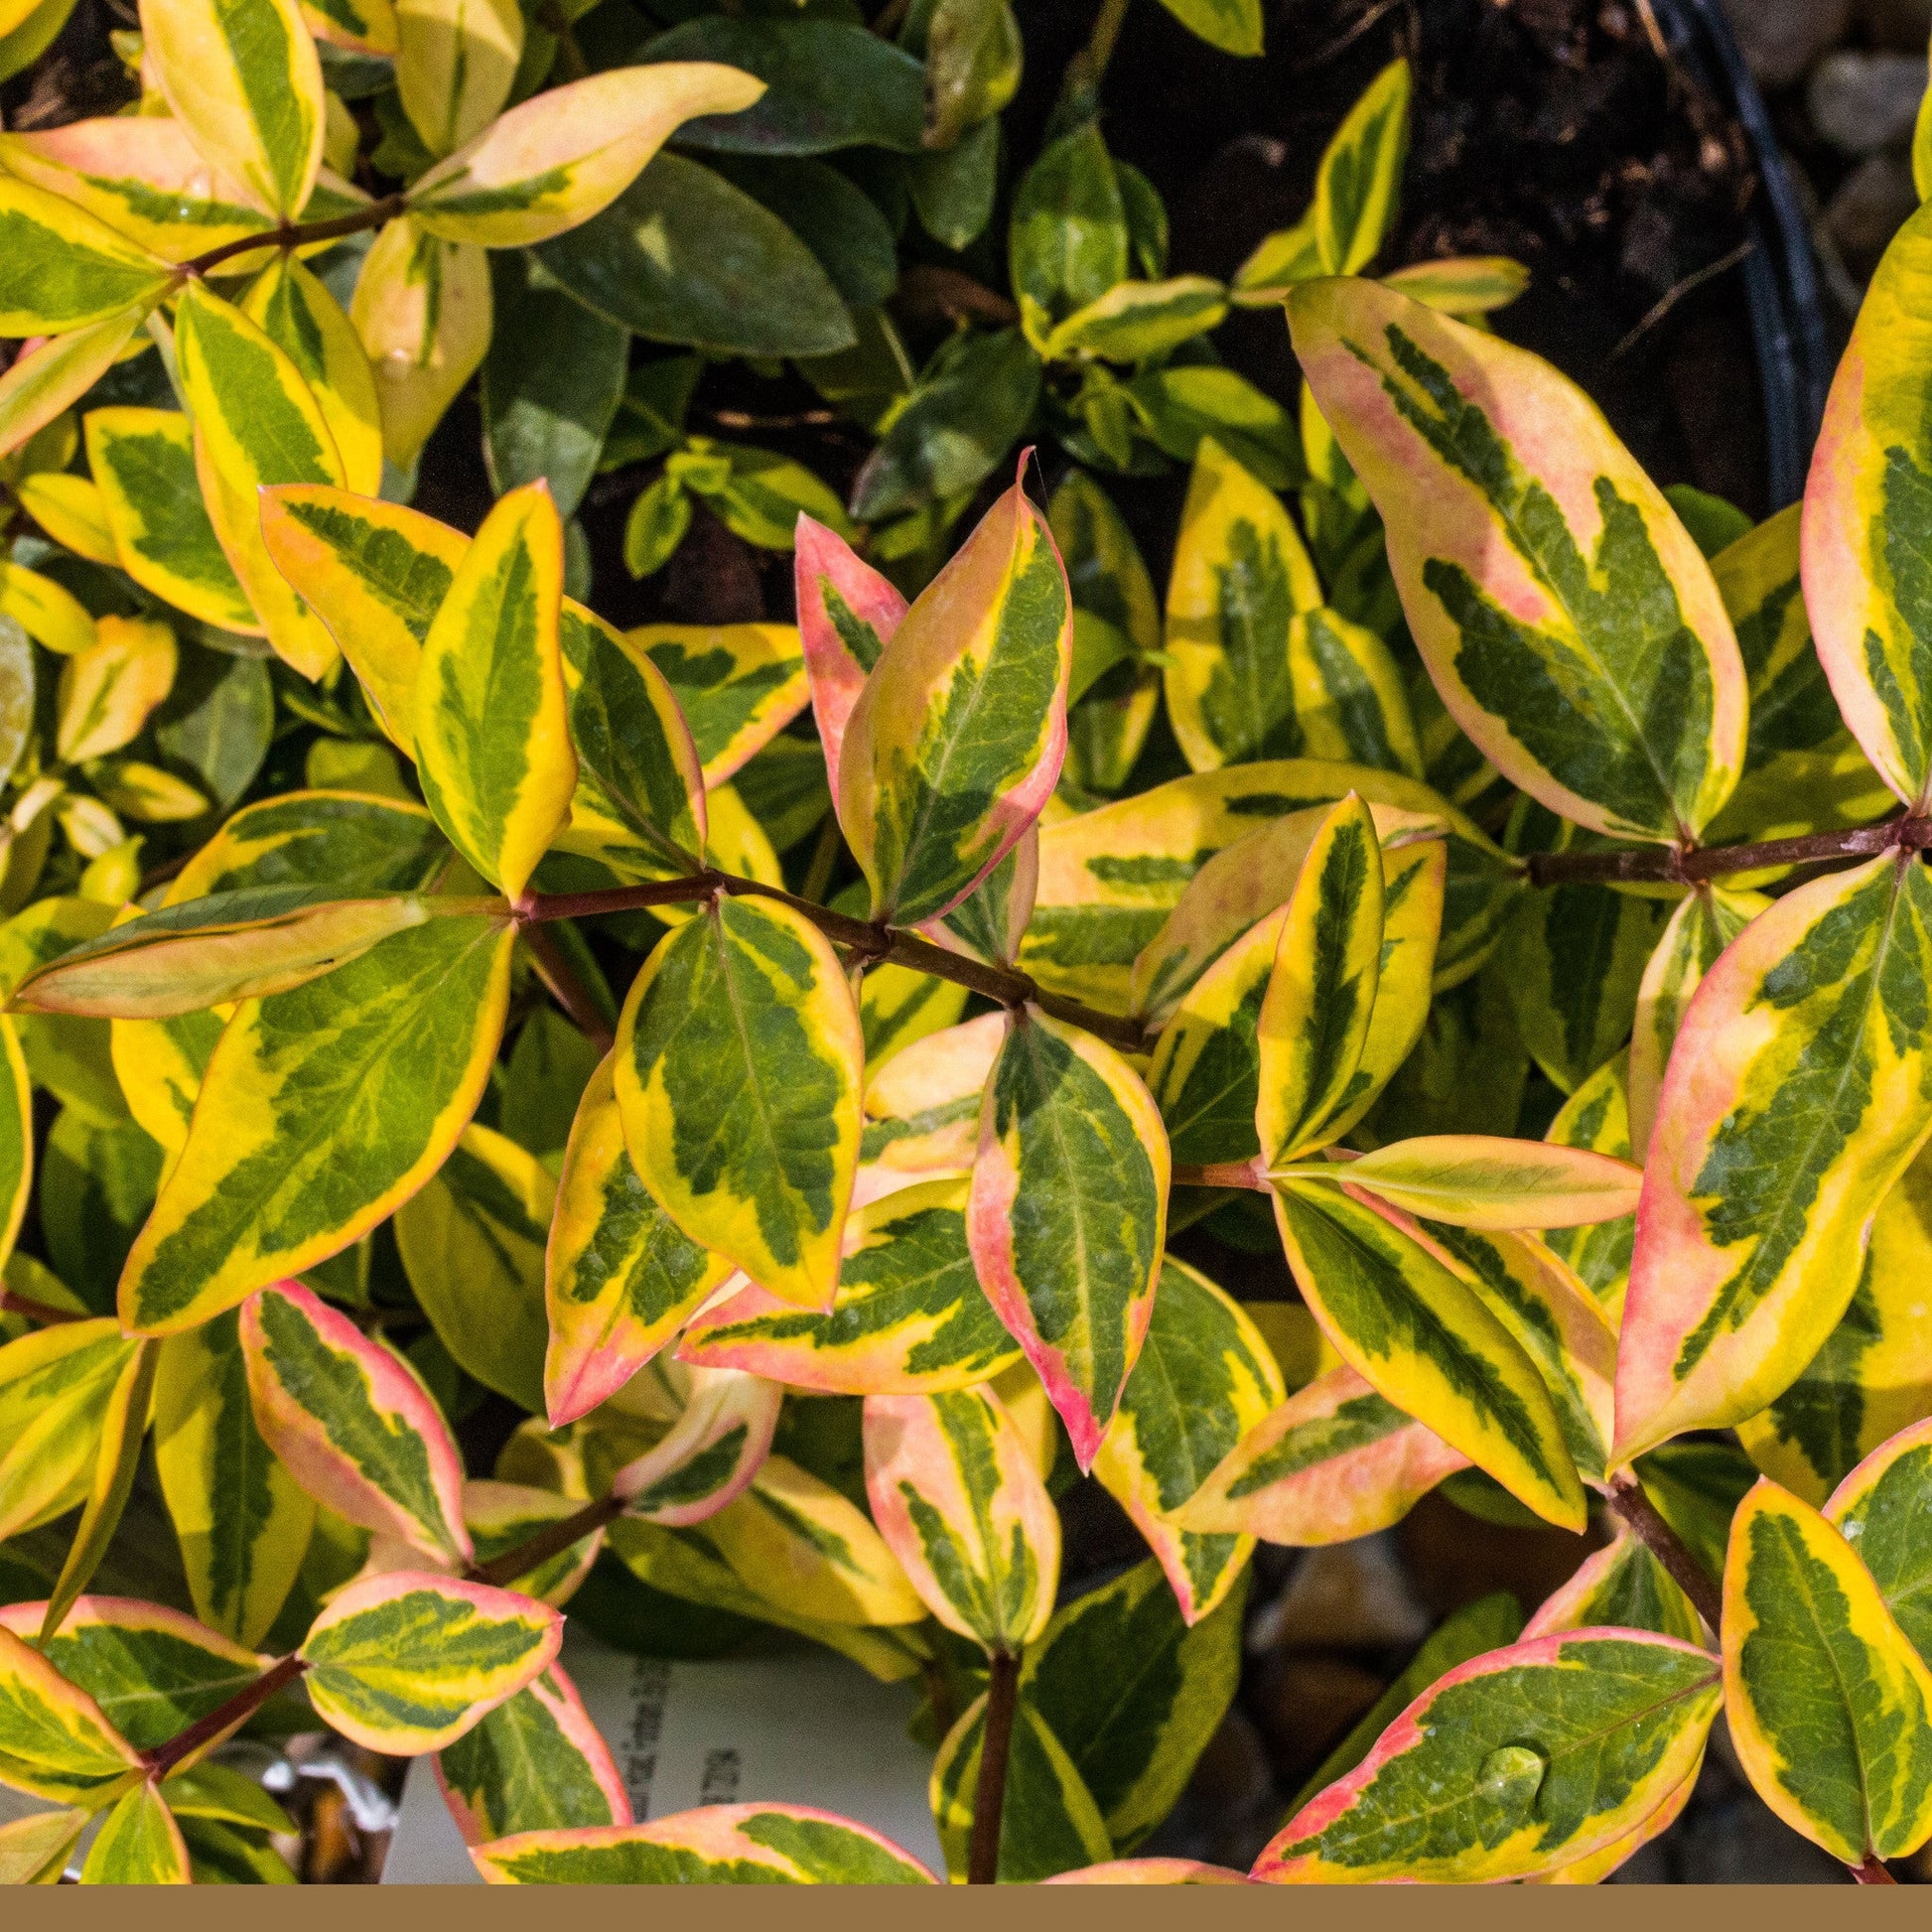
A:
(683, 256)
(1132, 1694)
(349, 844)
(54, 1740)
(1828, 1704)
(64, 268)
(550, 385)
(55, 1388)
(829, 83)
(738, 685)
(406, 1663)
(1624, 1585)
(1181, 405)
(1067, 244)
(956, 1494)
(1511, 1765)
(970, 405)
(719, 1845)
(1234, 26)
(737, 1079)
(34, 1849)
(367, 1076)
(1879, 1509)
(1360, 176)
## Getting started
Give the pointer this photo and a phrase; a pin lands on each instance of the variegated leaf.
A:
(1571, 625)
(922, 1106)
(66, 269)
(1051, 1823)
(54, 1741)
(846, 614)
(957, 739)
(1622, 1584)
(737, 1079)
(1067, 1129)
(1349, 700)
(1797, 1093)
(1881, 1511)
(351, 1423)
(720, 1845)
(55, 1387)
(909, 1318)
(620, 1278)
(537, 1762)
(1421, 1336)
(1511, 1765)
(367, 1077)
(1333, 1463)
(1483, 1181)
(407, 1662)
(956, 1496)
(1828, 1704)
(138, 1844)
(1205, 1379)
(711, 1453)
(1241, 576)
(738, 685)
(349, 841)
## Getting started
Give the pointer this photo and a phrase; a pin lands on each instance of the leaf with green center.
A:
(150, 1671)
(620, 1278)
(1205, 1379)
(1511, 1765)
(66, 269)
(1571, 625)
(143, 461)
(503, 1516)
(1621, 1585)
(1596, 1118)
(55, 1388)
(1241, 576)
(1067, 1215)
(846, 614)
(1051, 1823)
(54, 1740)
(1348, 696)
(1315, 1018)
(798, 1542)
(321, 1111)
(909, 1317)
(1707, 920)
(1132, 1692)
(221, 947)
(138, 1844)
(110, 686)
(1828, 1704)
(1360, 176)
(347, 843)
(1867, 503)
(244, 82)
(737, 1076)
(351, 1421)
(1423, 1337)
(406, 1663)
(1880, 1510)
(473, 1243)
(1797, 1093)
(1333, 1463)
(957, 739)
(256, 422)
(1872, 1375)
(710, 1454)
(720, 1845)
(956, 1494)
(241, 1519)
(1110, 878)
(492, 739)
(537, 1762)
(738, 685)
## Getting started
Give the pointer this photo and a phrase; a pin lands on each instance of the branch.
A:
(1627, 1499)
(12, 1304)
(550, 1541)
(300, 234)
(990, 1794)
(1686, 866)
(568, 992)
(875, 943)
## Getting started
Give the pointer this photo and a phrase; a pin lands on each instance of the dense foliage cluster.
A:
(818, 1244)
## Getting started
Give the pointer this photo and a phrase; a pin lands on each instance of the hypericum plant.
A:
(813, 1289)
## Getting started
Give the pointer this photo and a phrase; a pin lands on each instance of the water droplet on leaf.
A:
(1511, 1776)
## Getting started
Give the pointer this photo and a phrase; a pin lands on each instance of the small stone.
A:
(1779, 39)
(1862, 102)
(1871, 203)
(1346, 1596)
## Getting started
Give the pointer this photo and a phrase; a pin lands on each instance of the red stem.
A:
(1686, 866)
(1627, 1499)
(990, 1795)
